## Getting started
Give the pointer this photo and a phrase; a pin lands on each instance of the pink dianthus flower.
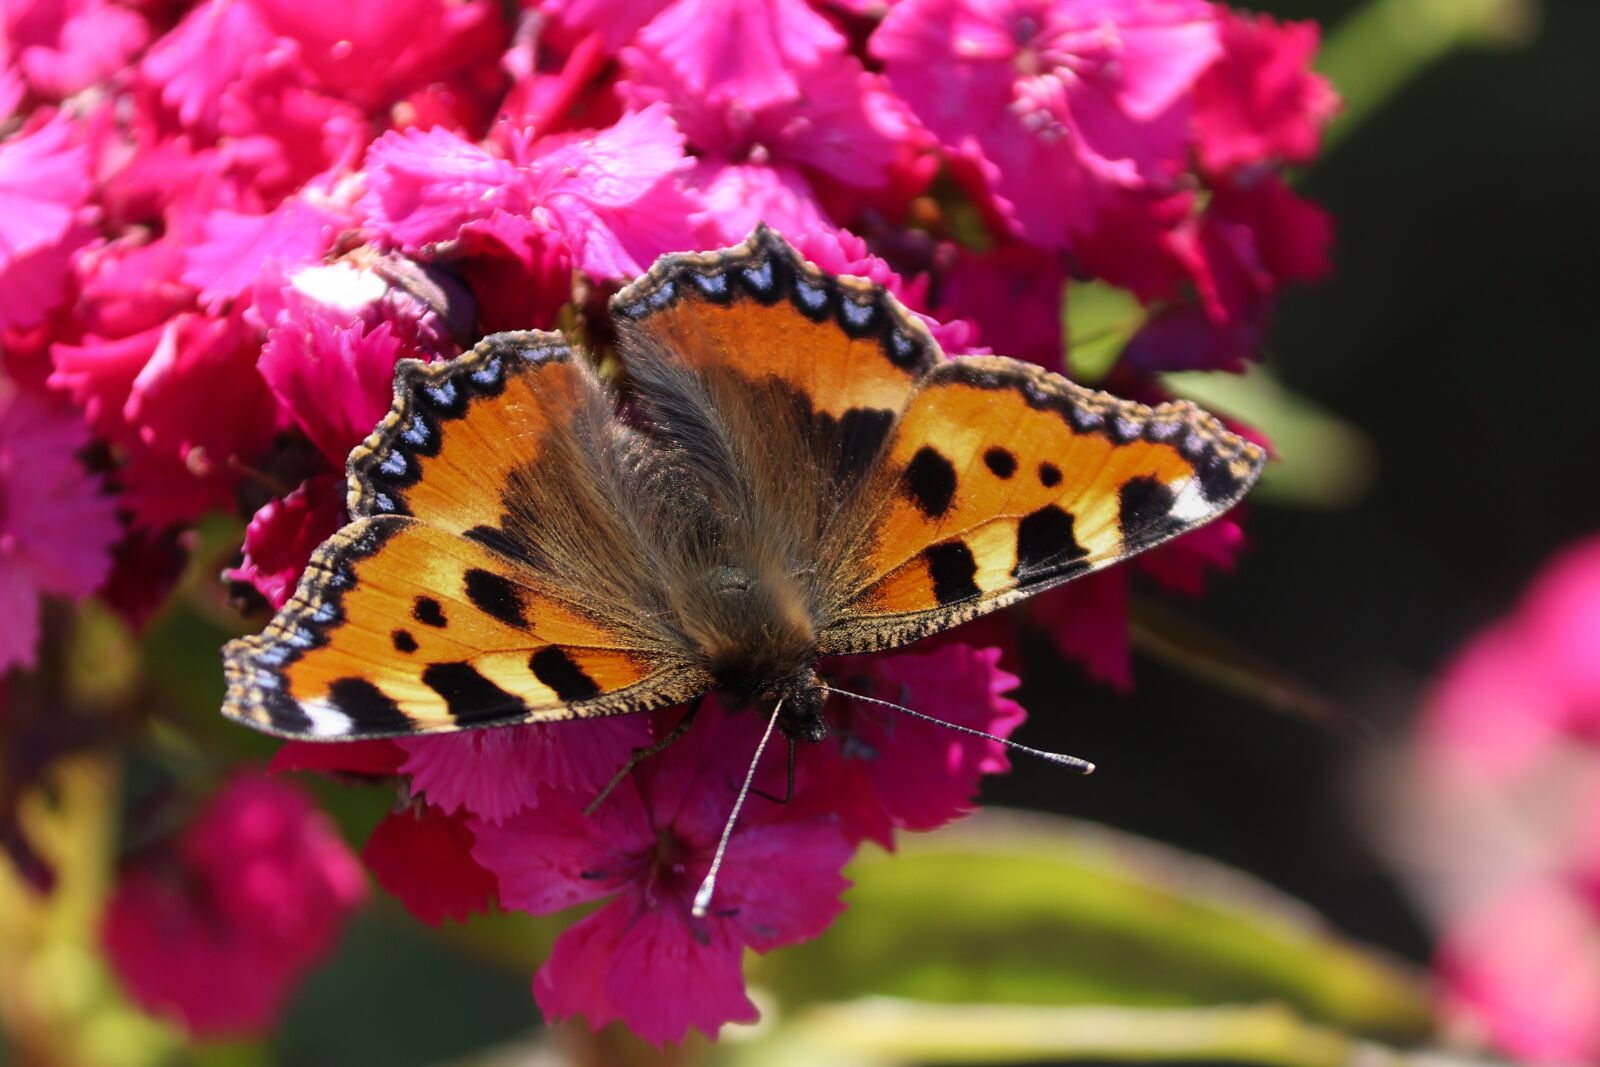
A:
(218, 930)
(643, 957)
(56, 525)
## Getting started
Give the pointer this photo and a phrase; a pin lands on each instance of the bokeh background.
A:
(1435, 397)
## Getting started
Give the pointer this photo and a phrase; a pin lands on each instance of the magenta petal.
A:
(44, 179)
(749, 51)
(496, 773)
(334, 376)
(284, 532)
(663, 979)
(19, 619)
(424, 857)
(572, 981)
(423, 187)
(552, 857)
(56, 525)
(783, 881)
(238, 248)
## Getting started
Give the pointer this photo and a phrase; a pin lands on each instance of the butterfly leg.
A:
(642, 754)
(788, 790)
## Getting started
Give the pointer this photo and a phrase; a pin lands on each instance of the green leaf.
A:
(1014, 909)
(1099, 321)
(880, 1031)
(1319, 460)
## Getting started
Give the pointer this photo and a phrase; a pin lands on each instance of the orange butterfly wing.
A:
(1004, 480)
(426, 613)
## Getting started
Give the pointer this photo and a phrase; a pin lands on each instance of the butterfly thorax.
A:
(757, 640)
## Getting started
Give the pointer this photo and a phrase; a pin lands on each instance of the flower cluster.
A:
(228, 220)
(1504, 795)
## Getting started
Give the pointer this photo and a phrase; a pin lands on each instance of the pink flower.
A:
(752, 53)
(218, 929)
(1237, 256)
(424, 857)
(44, 180)
(1088, 620)
(734, 197)
(766, 83)
(611, 196)
(1521, 687)
(1013, 294)
(35, 284)
(1496, 820)
(282, 535)
(239, 249)
(1261, 102)
(373, 51)
(883, 770)
(1095, 95)
(154, 393)
(193, 65)
(613, 22)
(56, 526)
(644, 958)
(336, 380)
(425, 185)
(1526, 968)
(65, 47)
(278, 132)
(496, 773)
(1183, 564)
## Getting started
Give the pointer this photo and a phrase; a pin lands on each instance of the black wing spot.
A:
(404, 641)
(494, 595)
(1144, 507)
(495, 539)
(370, 709)
(556, 670)
(930, 481)
(1045, 543)
(469, 696)
(1049, 475)
(1000, 461)
(953, 571)
(427, 611)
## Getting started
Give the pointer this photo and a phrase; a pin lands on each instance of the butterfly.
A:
(788, 467)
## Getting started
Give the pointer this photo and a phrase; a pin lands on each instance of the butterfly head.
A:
(800, 714)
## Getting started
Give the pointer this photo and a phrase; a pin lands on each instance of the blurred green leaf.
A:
(879, 1032)
(1006, 908)
(1320, 460)
(1099, 321)
(1374, 52)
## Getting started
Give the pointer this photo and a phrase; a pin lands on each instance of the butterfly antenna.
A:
(1082, 766)
(702, 896)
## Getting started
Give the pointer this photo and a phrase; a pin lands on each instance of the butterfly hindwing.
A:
(400, 628)
(1004, 479)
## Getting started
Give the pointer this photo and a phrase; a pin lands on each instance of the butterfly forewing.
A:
(1004, 480)
(461, 596)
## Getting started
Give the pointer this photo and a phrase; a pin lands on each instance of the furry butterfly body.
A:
(791, 469)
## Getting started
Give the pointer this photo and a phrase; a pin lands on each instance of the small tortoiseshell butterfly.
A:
(791, 468)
